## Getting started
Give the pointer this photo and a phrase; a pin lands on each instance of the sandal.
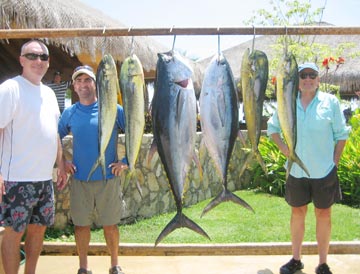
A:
(116, 270)
(84, 271)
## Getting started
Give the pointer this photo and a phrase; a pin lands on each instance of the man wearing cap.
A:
(97, 201)
(60, 88)
(321, 137)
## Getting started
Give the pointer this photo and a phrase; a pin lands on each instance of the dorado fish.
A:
(174, 129)
(287, 84)
(254, 77)
(219, 118)
(107, 86)
(132, 86)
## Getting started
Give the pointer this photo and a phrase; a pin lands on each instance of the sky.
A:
(209, 13)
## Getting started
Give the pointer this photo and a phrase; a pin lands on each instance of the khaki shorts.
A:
(95, 202)
(323, 192)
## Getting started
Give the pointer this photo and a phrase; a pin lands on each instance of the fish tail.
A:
(180, 220)
(295, 158)
(128, 178)
(94, 167)
(226, 196)
(261, 161)
(245, 164)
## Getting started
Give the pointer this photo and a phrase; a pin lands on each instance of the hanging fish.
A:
(219, 118)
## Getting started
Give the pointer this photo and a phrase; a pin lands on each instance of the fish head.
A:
(177, 67)
(134, 66)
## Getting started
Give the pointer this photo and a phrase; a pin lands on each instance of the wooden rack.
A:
(86, 32)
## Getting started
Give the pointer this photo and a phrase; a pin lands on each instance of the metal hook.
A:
(286, 39)
(132, 45)
(173, 46)
(104, 42)
(253, 42)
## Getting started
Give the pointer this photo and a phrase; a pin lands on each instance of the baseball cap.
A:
(83, 70)
(312, 66)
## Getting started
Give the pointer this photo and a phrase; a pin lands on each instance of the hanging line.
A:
(253, 41)
(173, 46)
(286, 40)
(104, 42)
(132, 42)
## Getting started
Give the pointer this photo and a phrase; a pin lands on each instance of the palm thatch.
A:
(347, 76)
(66, 53)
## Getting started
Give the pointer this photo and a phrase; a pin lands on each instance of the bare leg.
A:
(297, 227)
(323, 232)
(10, 250)
(111, 234)
(82, 238)
(33, 246)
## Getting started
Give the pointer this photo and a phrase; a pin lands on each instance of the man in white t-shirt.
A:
(29, 147)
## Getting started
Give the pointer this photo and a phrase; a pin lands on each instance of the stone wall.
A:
(156, 195)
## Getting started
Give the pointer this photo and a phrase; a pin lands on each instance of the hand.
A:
(61, 179)
(117, 168)
(70, 167)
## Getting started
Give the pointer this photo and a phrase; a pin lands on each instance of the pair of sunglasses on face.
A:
(34, 56)
(305, 75)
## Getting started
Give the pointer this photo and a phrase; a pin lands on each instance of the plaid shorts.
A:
(27, 203)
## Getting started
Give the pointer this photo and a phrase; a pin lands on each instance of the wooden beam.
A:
(98, 249)
(102, 32)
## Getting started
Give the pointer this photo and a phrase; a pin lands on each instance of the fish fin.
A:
(261, 161)
(288, 168)
(180, 220)
(226, 196)
(241, 137)
(95, 165)
(244, 166)
(152, 150)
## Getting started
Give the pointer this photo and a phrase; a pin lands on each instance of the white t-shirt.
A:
(29, 115)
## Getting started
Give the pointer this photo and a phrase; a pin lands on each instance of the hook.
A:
(173, 46)
(286, 39)
(132, 45)
(253, 42)
(104, 42)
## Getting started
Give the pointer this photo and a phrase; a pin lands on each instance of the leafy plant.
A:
(275, 161)
(349, 165)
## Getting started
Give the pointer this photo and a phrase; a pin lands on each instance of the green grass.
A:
(230, 223)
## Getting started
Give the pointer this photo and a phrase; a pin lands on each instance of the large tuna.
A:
(132, 87)
(287, 84)
(174, 129)
(107, 86)
(254, 77)
(219, 116)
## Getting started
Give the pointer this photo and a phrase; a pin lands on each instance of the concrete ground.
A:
(256, 264)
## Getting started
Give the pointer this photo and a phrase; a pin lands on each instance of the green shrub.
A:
(349, 165)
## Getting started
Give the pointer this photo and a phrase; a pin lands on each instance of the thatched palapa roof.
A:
(347, 75)
(67, 53)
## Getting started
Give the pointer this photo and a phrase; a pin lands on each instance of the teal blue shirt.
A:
(319, 127)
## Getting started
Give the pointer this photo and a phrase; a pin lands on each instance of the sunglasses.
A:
(83, 67)
(312, 75)
(34, 56)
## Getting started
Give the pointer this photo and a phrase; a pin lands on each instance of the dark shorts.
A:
(27, 203)
(323, 192)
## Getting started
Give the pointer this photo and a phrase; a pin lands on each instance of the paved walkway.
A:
(258, 264)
